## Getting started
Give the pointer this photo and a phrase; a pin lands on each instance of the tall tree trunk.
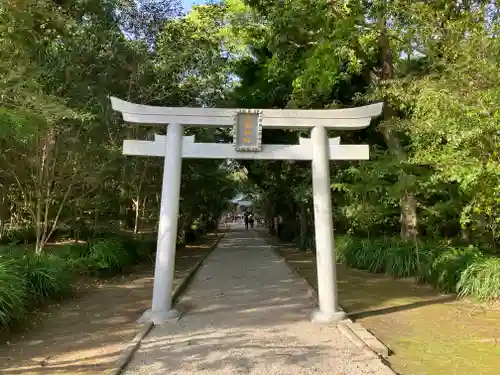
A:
(45, 180)
(269, 218)
(124, 188)
(303, 225)
(408, 202)
(143, 218)
(137, 200)
(137, 203)
(43, 188)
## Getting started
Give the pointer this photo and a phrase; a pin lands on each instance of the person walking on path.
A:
(251, 219)
(246, 220)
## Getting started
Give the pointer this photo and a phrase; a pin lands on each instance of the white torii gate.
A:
(247, 125)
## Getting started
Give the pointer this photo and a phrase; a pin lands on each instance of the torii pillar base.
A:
(159, 317)
(321, 317)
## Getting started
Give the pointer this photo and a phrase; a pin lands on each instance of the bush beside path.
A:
(85, 334)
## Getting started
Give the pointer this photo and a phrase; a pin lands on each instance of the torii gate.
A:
(247, 125)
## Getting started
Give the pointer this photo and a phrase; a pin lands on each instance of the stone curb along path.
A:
(127, 354)
(355, 332)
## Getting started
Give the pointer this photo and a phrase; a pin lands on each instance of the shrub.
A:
(444, 268)
(145, 250)
(189, 236)
(448, 268)
(12, 291)
(140, 250)
(310, 244)
(22, 234)
(108, 255)
(342, 247)
(362, 253)
(82, 266)
(286, 231)
(73, 251)
(375, 253)
(481, 279)
(401, 258)
(26, 279)
(46, 276)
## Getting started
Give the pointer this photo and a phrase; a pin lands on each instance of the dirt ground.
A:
(86, 334)
(428, 333)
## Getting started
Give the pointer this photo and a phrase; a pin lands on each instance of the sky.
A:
(186, 4)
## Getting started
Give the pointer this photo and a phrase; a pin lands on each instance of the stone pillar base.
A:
(319, 316)
(159, 317)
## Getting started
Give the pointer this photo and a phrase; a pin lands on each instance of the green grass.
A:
(481, 280)
(446, 267)
(13, 291)
(46, 276)
(28, 279)
(109, 254)
(465, 270)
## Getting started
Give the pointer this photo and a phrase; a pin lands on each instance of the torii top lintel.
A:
(340, 119)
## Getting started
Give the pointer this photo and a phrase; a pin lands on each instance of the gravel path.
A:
(248, 314)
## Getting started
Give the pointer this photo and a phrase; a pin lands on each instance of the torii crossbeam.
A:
(247, 127)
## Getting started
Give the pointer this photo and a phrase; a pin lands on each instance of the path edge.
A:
(127, 353)
(370, 345)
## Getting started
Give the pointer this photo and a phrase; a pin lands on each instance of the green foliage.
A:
(140, 250)
(20, 234)
(74, 251)
(401, 260)
(109, 254)
(434, 63)
(361, 253)
(379, 255)
(464, 270)
(61, 158)
(28, 279)
(481, 280)
(446, 268)
(437, 141)
(13, 291)
(46, 276)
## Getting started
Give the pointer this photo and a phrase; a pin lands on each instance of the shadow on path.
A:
(248, 313)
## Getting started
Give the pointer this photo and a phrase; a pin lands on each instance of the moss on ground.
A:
(429, 333)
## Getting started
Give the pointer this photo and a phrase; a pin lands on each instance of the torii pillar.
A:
(247, 125)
